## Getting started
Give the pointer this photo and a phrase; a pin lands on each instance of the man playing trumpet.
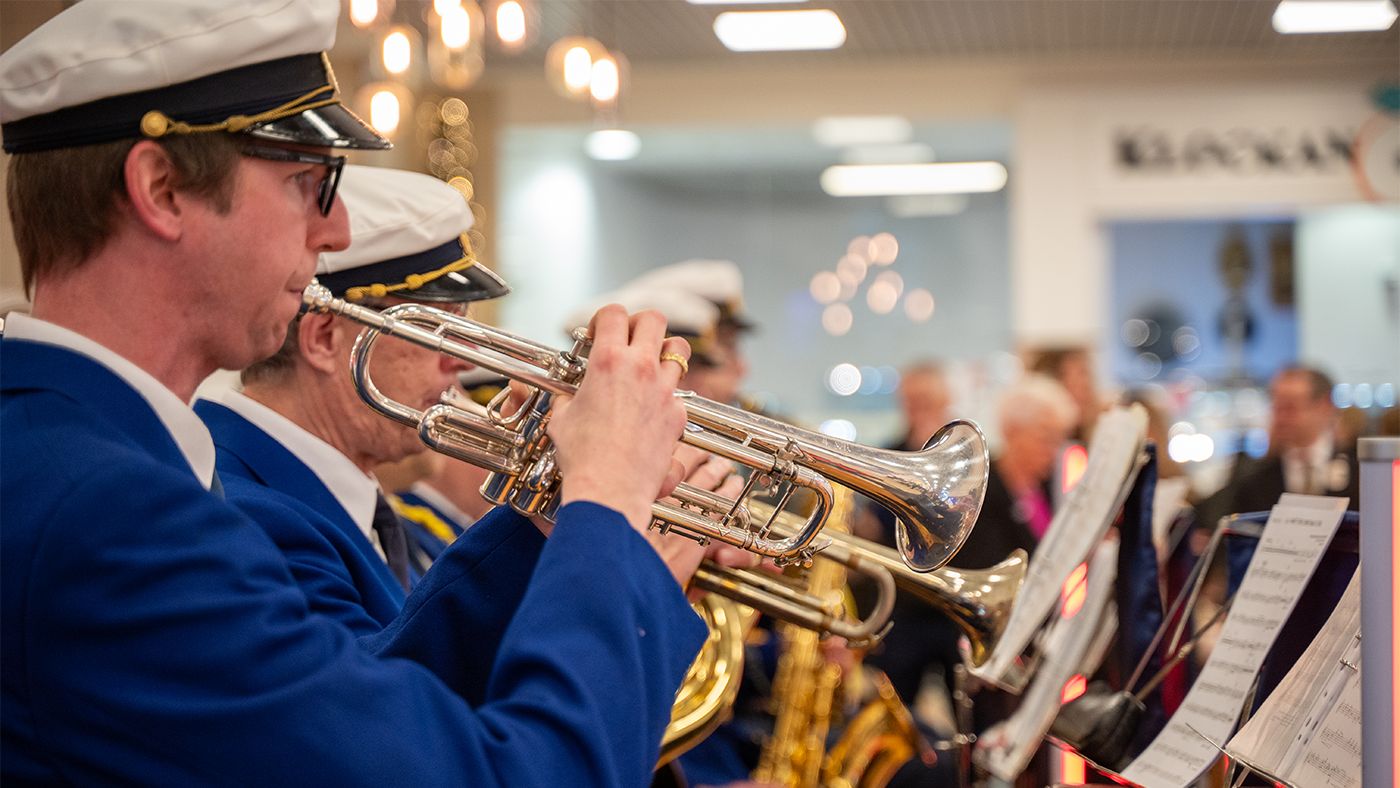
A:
(151, 633)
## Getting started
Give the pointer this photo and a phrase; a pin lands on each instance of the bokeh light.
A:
(825, 287)
(918, 305)
(843, 380)
(839, 429)
(884, 248)
(851, 269)
(837, 319)
(397, 52)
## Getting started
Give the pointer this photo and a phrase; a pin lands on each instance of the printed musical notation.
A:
(1308, 732)
(1075, 531)
(1298, 531)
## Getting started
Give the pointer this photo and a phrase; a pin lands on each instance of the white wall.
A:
(1349, 292)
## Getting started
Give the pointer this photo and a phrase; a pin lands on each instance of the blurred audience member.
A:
(1304, 454)
(1071, 367)
(1037, 418)
(1037, 415)
(923, 394)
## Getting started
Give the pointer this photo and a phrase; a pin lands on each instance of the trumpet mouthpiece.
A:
(315, 298)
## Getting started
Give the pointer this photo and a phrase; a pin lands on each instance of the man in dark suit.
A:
(1303, 454)
(171, 188)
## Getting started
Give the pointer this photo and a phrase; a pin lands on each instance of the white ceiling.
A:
(676, 31)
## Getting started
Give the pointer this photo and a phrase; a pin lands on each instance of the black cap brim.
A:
(475, 283)
(465, 280)
(332, 126)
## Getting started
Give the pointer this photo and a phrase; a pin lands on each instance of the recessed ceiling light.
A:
(1333, 16)
(779, 31)
(880, 180)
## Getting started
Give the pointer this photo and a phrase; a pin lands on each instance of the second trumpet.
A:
(936, 493)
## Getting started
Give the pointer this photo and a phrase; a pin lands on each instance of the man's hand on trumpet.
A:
(708, 472)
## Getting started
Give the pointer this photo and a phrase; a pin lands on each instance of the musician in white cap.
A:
(297, 447)
(172, 185)
(712, 328)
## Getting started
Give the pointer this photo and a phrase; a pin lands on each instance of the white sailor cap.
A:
(407, 239)
(687, 315)
(107, 70)
(719, 281)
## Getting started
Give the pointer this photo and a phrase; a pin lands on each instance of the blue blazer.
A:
(330, 557)
(150, 634)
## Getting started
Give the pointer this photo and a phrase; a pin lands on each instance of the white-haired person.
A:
(1037, 416)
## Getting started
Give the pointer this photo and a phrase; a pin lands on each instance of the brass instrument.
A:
(936, 493)
(978, 601)
(805, 685)
(709, 687)
(878, 740)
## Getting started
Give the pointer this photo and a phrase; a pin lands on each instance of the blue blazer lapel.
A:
(245, 450)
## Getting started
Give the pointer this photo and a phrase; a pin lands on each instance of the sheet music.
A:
(1308, 732)
(1078, 525)
(1006, 748)
(1294, 538)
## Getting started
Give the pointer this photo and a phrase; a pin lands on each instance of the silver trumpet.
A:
(936, 493)
(977, 601)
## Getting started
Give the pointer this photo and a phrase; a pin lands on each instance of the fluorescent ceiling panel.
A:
(779, 31)
(1333, 16)
(882, 180)
(842, 131)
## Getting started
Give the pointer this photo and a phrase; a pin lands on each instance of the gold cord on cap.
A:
(157, 124)
(410, 282)
(679, 359)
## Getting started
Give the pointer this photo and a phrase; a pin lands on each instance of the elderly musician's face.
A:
(405, 373)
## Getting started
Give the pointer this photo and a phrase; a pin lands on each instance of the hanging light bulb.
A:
(384, 112)
(386, 105)
(397, 52)
(456, 27)
(510, 22)
(605, 81)
(516, 22)
(569, 65)
(363, 12)
(443, 7)
(578, 68)
(456, 57)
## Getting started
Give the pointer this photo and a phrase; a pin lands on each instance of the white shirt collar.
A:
(356, 491)
(1315, 458)
(189, 433)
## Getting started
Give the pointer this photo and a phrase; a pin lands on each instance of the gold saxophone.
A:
(978, 602)
(878, 740)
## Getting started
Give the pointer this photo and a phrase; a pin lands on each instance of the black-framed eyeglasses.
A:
(325, 193)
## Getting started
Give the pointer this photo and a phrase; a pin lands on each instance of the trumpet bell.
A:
(938, 513)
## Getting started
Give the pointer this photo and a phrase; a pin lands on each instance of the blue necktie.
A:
(392, 538)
